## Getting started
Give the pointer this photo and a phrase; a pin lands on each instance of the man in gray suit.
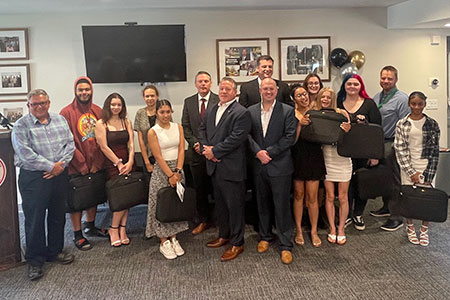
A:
(273, 133)
(223, 133)
(193, 112)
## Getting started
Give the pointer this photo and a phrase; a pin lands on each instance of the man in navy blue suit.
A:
(272, 135)
(222, 137)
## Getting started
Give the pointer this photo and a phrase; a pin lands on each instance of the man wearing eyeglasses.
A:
(43, 146)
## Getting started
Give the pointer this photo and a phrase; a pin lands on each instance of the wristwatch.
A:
(179, 171)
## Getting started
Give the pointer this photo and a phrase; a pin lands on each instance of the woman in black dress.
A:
(361, 108)
(309, 169)
(114, 134)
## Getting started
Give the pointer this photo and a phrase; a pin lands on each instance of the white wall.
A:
(57, 57)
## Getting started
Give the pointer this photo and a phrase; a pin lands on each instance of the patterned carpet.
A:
(372, 265)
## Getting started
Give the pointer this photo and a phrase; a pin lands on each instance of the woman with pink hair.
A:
(361, 109)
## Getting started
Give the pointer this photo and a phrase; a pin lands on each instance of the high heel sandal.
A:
(411, 232)
(125, 241)
(116, 243)
(424, 240)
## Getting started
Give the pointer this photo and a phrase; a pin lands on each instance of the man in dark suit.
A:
(250, 95)
(223, 133)
(193, 112)
(273, 133)
(250, 90)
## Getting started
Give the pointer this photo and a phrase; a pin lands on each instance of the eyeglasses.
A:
(38, 104)
(314, 83)
(301, 95)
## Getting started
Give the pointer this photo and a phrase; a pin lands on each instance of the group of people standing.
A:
(225, 136)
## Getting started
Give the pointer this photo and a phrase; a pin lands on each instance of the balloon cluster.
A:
(347, 63)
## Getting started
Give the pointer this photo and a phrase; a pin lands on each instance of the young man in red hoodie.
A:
(82, 115)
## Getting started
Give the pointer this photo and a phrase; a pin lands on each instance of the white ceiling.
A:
(401, 13)
(39, 6)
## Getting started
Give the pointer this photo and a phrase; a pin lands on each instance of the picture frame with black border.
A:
(299, 56)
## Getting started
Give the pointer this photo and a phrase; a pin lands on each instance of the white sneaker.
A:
(166, 249)
(177, 247)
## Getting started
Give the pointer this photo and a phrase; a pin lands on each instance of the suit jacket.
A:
(250, 93)
(191, 121)
(228, 141)
(280, 137)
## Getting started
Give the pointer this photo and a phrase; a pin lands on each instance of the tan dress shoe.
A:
(286, 257)
(219, 242)
(200, 228)
(263, 246)
(232, 253)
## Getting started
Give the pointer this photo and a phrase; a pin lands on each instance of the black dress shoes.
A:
(34, 272)
(63, 258)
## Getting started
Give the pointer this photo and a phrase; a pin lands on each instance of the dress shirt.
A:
(265, 117)
(221, 110)
(200, 102)
(392, 111)
(39, 146)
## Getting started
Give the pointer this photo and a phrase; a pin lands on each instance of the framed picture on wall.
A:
(236, 58)
(300, 56)
(13, 43)
(15, 79)
(13, 110)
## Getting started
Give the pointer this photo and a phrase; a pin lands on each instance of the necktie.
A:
(202, 108)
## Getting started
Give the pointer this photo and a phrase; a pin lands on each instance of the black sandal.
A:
(82, 244)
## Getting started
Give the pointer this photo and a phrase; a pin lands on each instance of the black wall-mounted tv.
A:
(139, 53)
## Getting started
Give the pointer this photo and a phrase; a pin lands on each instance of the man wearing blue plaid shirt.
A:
(43, 146)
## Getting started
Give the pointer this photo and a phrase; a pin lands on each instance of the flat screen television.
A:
(139, 53)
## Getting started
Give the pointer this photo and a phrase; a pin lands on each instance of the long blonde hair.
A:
(333, 104)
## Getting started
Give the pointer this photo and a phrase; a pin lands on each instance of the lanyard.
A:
(387, 98)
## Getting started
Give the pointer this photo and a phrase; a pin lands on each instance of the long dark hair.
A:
(162, 102)
(106, 111)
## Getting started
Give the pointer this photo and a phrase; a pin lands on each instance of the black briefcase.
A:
(362, 141)
(169, 207)
(374, 182)
(324, 127)
(86, 191)
(125, 191)
(423, 203)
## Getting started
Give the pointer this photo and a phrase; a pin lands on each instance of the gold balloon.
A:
(357, 58)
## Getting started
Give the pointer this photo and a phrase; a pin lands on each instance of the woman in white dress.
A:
(166, 140)
(416, 147)
(339, 170)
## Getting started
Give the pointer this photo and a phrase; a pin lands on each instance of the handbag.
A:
(374, 182)
(86, 191)
(125, 191)
(169, 207)
(324, 127)
(362, 141)
(423, 203)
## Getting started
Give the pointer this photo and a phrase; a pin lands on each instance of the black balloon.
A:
(338, 57)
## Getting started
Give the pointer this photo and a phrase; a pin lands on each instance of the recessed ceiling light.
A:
(447, 25)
